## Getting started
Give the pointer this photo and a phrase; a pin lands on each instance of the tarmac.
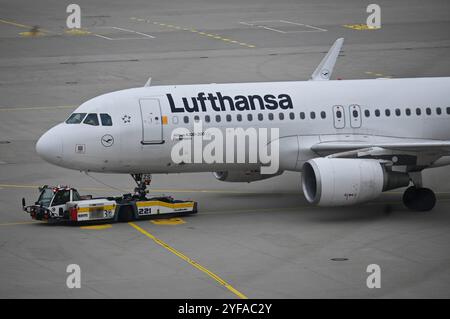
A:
(257, 240)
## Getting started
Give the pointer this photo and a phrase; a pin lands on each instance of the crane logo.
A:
(107, 140)
(325, 73)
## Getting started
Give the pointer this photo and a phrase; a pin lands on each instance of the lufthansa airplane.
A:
(351, 139)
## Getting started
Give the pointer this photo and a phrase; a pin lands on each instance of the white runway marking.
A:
(143, 35)
(263, 24)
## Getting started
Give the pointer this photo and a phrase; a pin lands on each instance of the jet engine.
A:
(339, 181)
(242, 176)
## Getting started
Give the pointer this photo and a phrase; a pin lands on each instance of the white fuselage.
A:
(143, 120)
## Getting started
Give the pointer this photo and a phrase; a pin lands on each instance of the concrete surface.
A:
(261, 238)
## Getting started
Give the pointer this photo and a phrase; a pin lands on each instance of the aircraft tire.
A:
(419, 199)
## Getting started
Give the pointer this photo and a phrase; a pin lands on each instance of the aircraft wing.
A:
(410, 146)
(416, 154)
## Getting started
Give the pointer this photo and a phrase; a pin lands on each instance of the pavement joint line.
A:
(36, 108)
(153, 189)
(186, 190)
(193, 30)
(189, 261)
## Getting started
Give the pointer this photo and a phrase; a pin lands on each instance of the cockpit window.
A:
(75, 118)
(91, 119)
(106, 119)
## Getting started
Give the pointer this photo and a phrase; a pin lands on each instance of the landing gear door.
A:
(339, 116)
(355, 116)
(151, 121)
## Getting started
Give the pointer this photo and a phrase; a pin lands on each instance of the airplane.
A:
(350, 139)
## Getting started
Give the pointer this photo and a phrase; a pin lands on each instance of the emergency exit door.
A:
(355, 116)
(338, 116)
(151, 121)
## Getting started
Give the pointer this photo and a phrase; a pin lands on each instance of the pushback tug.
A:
(63, 203)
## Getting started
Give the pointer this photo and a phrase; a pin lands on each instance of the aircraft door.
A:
(151, 121)
(355, 116)
(339, 116)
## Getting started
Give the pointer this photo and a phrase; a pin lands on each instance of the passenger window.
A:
(75, 118)
(207, 119)
(367, 113)
(239, 117)
(302, 115)
(291, 115)
(281, 116)
(338, 114)
(377, 113)
(260, 117)
(228, 117)
(186, 119)
(91, 119)
(218, 119)
(397, 112)
(175, 120)
(418, 111)
(355, 113)
(408, 112)
(438, 111)
(448, 110)
(196, 118)
(249, 117)
(271, 116)
(313, 115)
(428, 111)
(323, 114)
(387, 112)
(106, 119)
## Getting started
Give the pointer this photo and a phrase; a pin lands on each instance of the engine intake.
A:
(342, 181)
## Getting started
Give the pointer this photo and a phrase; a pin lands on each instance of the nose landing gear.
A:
(142, 181)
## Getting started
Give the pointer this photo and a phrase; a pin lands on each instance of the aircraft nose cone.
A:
(49, 146)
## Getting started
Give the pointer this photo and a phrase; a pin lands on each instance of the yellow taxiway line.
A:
(189, 261)
(18, 223)
(96, 227)
(193, 30)
(23, 26)
(40, 31)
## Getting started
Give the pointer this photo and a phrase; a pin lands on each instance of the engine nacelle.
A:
(242, 176)
(342, 181)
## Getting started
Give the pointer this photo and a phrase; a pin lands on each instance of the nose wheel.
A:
(419, 198)
(142, 181)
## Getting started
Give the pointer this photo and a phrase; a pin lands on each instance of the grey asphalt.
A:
(261, 238)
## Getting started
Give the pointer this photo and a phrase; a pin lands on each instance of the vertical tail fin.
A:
(325, 68)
